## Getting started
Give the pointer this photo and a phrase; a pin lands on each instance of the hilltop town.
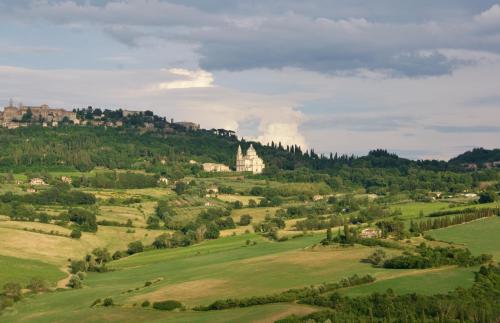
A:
(13, 117)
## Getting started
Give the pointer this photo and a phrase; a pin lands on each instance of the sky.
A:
(419, 78)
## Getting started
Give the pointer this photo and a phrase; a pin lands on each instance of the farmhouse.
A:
(12, 115)
(66, 179)
(37, 181)
(370, 233)
(250, 162)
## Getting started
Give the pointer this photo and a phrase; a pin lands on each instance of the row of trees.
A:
(476, 304)
(85, 148)
(287, 296)
(427, 257)
(419, 227)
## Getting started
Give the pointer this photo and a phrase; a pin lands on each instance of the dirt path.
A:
(64, 282)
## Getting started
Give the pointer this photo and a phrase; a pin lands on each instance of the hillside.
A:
(477, 156)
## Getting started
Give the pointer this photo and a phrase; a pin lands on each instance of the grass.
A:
(200, 274)
(481, 236)
(219, 269)
(15, 241)
(22, 270)
(442, 280)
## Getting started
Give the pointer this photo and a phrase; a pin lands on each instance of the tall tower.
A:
(240, 162)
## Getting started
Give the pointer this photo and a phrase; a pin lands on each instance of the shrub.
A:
(146, 284)
(13, 290)
(37, 284)
(108, 301)
(168, 305)
(76, 234)
(487, 197)
(245, 219)
(377, 257)
(74, 282)
(135, 247)
(146, 303)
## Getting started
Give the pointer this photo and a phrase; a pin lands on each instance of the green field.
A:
(428, 282)
(481, 236)
(22, 270)
(200, 274)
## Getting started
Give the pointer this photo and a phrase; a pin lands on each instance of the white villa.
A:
(250, 162)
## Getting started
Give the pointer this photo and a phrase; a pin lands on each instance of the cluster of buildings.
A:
(249, 162)
(22, 116)
(13, 117)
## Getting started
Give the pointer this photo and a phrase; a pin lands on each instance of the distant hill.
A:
(477, 156)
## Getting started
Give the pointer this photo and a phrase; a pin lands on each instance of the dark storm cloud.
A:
(402, 38)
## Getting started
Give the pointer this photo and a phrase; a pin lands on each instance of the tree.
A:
(135, 247)
(347, 233)
(13, 290)
(101, 255)
(108, 301)
(84, 218)
(245, 219)
(377, 257)
(200, 233)
(329, 236)
(75, 282)
(180, 187)
(487, 197)
(37, 284)
(252, 203)
(75, 234)
(28, 116)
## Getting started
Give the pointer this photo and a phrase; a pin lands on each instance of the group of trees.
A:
(84, 148)
(13, 292)
(60, 194)
(468, 215)
(476, 304)
(290, 295)
(427, 257)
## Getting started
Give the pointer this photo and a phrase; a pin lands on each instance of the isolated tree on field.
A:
(377, 257)
(13, 290)
(487, 197)
(101, 255)
(135, 247)
(75, 282)
(200, 232)
(37, 284)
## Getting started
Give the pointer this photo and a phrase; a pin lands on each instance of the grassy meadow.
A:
(22, 270)
(238, 264)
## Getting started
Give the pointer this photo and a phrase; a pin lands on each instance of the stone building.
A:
(250, 162)
(40, 114)
(213, 167)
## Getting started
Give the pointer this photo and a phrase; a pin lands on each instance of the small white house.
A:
(370, 233)
(37, 181)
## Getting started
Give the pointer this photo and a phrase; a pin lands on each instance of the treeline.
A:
(290, 295)
(110, 179)
(478, 304)
(432, 224)
(84, 148)
(53, 195)
(428, 257)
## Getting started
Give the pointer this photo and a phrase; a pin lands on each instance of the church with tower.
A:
(250, 162)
